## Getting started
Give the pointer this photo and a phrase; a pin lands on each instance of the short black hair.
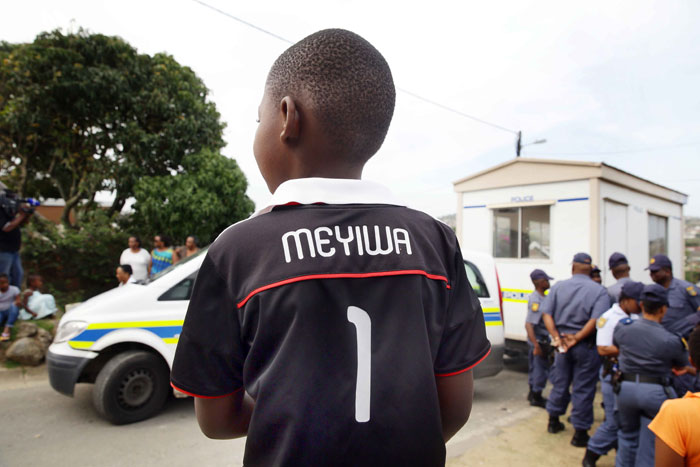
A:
(350, 86)
(694, 346)
(127, 269)
(652, 308)
(3, 274)
(165, 239)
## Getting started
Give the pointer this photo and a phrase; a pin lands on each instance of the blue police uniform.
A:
(538, 365)
(683, 307)
(647, 354)
(615, 260)
(615, 289)
(605, 437)
(572, 303)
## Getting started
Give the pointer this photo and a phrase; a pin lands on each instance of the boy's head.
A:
(4, 282)
(595, 275)
(328, 103)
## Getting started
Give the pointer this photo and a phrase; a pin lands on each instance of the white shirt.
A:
(138, 261)
(131, 280)
(607, 322)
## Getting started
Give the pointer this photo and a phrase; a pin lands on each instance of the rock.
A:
(26, 329)
(26, 351)
(44, 337)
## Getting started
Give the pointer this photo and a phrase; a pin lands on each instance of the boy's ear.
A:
(291, 120)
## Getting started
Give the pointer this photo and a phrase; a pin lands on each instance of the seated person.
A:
(677, 425)
(124, 275)
(37, 305)
(9, 301)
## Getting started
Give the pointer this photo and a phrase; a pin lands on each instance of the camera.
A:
(11, 204)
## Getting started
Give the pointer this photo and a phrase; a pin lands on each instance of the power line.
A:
(619, 152)
(242, 21)
(405, 91)
(455, 111)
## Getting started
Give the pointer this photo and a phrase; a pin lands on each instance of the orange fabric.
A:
(678, 425)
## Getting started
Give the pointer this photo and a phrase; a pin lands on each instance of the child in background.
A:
(538, 340)
(9, 301)
(677, 425)
(36, 305)
(336, 326)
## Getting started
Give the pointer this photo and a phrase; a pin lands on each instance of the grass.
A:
(9, 364)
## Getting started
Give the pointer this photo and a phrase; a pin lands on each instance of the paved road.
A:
(41, 427)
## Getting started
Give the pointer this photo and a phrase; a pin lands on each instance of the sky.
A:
(615, 82)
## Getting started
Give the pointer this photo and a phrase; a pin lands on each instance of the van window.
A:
(476, 280)
(181, 291)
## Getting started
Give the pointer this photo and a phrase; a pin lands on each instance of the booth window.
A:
(658, 238)
(521, 232)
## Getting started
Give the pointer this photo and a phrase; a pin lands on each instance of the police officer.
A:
(683, 300)
(538, 340)
(620, 269)
(648, 352)
(605, 437)
(570, 312)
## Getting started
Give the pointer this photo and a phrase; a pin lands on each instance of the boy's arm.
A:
(667, 457)
(455, 394)
(225, 417)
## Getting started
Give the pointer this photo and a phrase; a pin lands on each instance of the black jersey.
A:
(336, 319)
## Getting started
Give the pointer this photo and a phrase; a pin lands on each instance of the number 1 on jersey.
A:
(363, 328)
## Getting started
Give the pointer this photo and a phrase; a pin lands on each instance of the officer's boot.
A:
(580, 439)
(590, 458)
(529, 395)
(537, 400)
(555, 426)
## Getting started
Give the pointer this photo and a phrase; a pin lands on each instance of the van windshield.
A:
(172, 268)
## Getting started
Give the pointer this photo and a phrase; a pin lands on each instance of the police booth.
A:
(537, 213)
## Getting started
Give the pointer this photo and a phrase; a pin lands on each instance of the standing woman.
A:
(648, 352)
(138, 258)
(163, 255)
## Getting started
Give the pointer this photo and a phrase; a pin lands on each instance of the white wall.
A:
(639, 205)
(569, 234)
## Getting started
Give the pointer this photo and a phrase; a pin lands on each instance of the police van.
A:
(123, 341)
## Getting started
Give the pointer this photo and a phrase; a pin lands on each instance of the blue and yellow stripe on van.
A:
(517, 295)
(168, 330)
(492, 316)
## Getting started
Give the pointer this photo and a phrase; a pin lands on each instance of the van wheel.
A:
(132, 386)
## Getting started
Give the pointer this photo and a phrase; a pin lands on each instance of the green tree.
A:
(203, 200)
(80, 113)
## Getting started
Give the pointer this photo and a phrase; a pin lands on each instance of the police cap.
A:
(659, 262)
(616, 259)
(633, 289)
(583, 258)
(655, 293)
(539, 274)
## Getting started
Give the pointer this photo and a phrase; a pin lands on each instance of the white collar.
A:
(330, 191)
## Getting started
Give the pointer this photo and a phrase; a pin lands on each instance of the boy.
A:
(538, 340)
(605, 437)
(335, 327)
(677, 425)
(9, 301)
(124, 275)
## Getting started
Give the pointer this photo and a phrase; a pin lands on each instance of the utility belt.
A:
(634, 377)
(637, 378)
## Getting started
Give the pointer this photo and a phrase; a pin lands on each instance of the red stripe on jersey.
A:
(204, 397)
(465, 369)
(344, 276)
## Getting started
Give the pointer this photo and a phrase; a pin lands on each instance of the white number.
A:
(363, 327)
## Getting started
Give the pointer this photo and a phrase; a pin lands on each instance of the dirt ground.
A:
(527, 443)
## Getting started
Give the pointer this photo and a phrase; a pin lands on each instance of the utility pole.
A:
(519, 143)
